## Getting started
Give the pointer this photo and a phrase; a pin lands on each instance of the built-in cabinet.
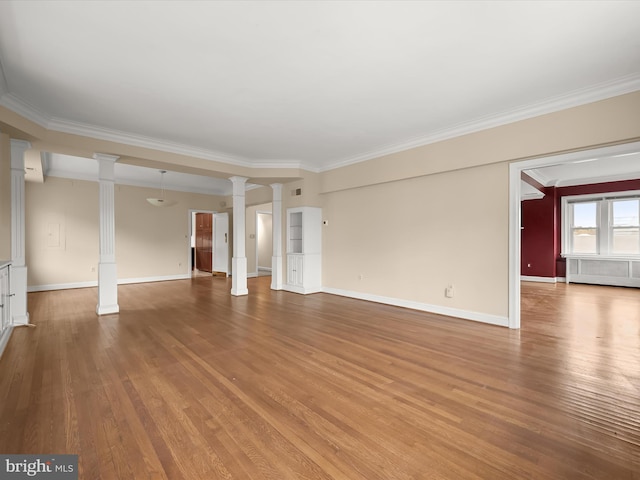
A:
(304, 250)
(5, 304)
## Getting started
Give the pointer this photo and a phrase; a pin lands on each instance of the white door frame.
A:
(515, 172)
(191, 212)
(263, 212)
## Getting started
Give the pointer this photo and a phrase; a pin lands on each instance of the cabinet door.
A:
(5, 299)
(295, 265)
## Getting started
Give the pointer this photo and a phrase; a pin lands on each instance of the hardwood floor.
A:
(188, 382)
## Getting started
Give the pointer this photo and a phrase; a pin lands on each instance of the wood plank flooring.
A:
(188, 382)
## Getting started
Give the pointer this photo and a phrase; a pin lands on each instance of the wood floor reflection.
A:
(188, 382)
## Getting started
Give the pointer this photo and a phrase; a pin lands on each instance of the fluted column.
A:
(239, 259)
(19, 313)
(107, 271)
(276, 259)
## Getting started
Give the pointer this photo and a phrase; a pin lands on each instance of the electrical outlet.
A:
(93, 269)
(360, 277)
(448, 292)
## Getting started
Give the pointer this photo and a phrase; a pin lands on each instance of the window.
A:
(625, 238)
(602, 225)
(584, 228)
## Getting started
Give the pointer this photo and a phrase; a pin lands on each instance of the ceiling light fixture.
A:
(161, 202)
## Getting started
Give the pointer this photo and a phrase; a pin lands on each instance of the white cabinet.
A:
(304, 245)
(5, 305)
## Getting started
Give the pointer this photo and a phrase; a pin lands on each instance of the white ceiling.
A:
(310, 84)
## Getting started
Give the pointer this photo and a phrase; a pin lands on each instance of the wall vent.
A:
(296, 192)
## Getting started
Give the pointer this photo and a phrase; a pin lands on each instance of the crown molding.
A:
(28, 111)
(601, 179)
(100, 133)
(4, 86)
(539, 177)
(24, 109)
(602, 91)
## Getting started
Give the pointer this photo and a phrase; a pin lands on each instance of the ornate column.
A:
(276, 259)
(107, 272)
(20, 315)
(239, 259)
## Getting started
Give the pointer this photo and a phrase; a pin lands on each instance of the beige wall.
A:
(412, 238)
(400, 220)
(61, 223)
(150, 241)
(5, 197)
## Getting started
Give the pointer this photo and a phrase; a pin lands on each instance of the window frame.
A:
(604, 229)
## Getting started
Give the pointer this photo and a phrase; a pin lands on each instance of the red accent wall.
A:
(542, 222)
(538, 236)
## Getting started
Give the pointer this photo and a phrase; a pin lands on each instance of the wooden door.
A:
(204, 242)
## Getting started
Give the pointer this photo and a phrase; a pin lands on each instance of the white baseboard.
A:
(94, 283)
(252, 275)
(4, 339)
(529, 278)
(266, 269)
(302, 290)
(424, 307)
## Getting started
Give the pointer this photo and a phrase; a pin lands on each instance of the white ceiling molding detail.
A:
(78, 168)
(621, 86)
(588, 171)
(628, 84)
(529, 192)
(304, 84)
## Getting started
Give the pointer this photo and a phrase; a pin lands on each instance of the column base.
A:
(107, 289)
(19, 314)
(276, 273)
(239, 276)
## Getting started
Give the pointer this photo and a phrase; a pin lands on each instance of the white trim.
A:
(4, 339)
(530, 278)
(627, 84)
(62, 286)
(24, 109)
(94, 283)
(265, 269)
(424, 307)
(252, 275)
(262, 212)
(4, 88)
(302, 290)
(164, 278)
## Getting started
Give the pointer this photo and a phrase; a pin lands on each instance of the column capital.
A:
(236, 179)
(276, 187)
(18, 147)
(106, 157)
(106, 169)
(238, 185)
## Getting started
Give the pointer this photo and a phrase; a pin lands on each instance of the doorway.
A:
(209, 245)
(203, 242)
(515, 221)
(264, 243)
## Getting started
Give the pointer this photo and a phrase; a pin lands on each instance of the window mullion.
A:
(604, 227)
